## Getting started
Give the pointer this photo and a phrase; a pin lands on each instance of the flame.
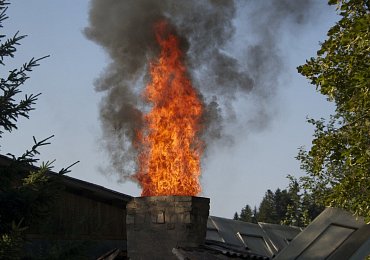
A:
(169, 149)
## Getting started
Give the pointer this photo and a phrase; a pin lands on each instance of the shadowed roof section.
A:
(233, 239)
(80, 187)
(334, 234)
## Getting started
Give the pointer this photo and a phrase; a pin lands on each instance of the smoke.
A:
(231, 50)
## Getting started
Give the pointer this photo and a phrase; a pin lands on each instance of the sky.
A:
(236, 171)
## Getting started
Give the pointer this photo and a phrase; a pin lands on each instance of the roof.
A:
(80, 187)
(334, 234)
(356, 246)
(227, 238)
(260, 239)
(214, 251)
(92, 190)
(279, 235)
(114, 254)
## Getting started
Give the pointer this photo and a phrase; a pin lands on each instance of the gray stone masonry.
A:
(156, 225)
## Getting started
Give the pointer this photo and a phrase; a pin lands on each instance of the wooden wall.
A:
(77, 216)
(89, 224)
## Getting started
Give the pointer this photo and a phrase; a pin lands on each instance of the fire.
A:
(169, 147)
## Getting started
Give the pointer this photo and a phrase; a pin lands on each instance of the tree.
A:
(337, 165)
(246, 214)
(282, 198)
(255, 214)
(267, 208)
(290, 206)
(26, 193)
(300, 208)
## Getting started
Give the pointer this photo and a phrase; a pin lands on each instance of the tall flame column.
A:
(169, 146)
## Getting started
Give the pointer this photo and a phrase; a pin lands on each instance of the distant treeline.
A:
(288, 207)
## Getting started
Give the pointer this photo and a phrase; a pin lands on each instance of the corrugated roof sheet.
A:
(261, 239)
(280, 236)
(215, 251)
(79, 186)
(334, 234)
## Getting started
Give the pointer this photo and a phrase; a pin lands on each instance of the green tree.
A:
(267, 208)
(255, 213)
(338, 163)
(290, 206)
(26, 192)
(246, 214)
(282, 199)
(301, 207)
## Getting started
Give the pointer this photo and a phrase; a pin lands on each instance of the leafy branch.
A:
(10, 110)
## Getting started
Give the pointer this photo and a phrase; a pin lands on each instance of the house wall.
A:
(86, 218)
(89, 223)
(81, 217)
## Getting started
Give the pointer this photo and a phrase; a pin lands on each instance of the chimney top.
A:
(156, 225)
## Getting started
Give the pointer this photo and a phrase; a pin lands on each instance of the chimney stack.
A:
(156, 225)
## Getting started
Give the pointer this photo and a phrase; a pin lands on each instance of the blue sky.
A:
(233, 175)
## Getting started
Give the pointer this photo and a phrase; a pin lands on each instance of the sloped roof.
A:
(279, 235)
(260, 239)
(214, 251)
(80, 187)
(92, 190)
(334, 234)
(356, 247)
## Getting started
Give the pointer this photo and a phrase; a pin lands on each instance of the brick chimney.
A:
(156, 225)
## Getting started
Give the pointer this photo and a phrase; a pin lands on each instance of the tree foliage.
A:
(338, 163)
(10, 108)
(290, 206)
(267, 208)
(301, 207)
(26, 192)
(246, 214)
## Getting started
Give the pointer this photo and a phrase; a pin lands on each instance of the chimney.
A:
(156, 225)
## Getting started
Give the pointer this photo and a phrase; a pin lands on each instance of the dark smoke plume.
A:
(222, 62)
